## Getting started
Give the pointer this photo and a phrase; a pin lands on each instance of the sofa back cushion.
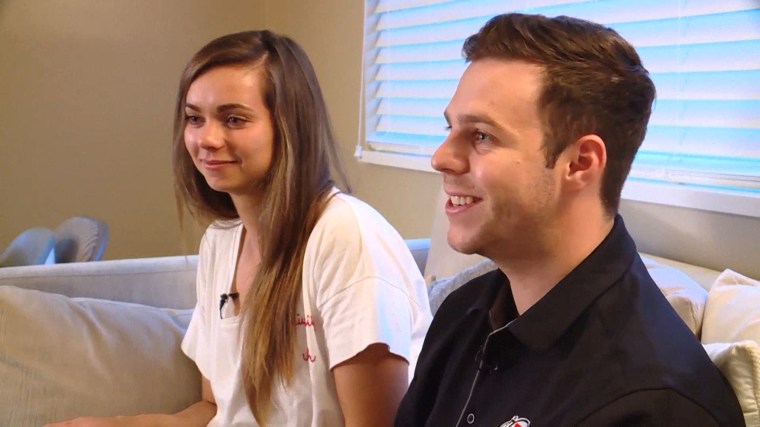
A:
(740, 364)
(66, 357)
(687, 297)
(733, 309)
(157, 281)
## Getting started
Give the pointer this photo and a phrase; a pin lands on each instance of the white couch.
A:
(102, 338)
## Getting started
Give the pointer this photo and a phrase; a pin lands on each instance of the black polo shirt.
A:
(602, 348)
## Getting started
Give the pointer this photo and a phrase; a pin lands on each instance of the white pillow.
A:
(686, 296)
(740, 364)
(732, 312)
(440, 289)
(66, 357)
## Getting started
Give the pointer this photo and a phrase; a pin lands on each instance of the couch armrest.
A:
(160, 282)
(419, 249)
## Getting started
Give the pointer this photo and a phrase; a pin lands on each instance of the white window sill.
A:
(703, 198)
(403, 161)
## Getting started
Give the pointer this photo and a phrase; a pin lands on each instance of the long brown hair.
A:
(594, 83)
(296, 190)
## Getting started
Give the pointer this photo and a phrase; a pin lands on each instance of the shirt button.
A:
(470, 418)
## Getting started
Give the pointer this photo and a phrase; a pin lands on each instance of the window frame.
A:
(640, 186)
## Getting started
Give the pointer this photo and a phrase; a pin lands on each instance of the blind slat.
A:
(729, 85)
(411, 107)
(727, 56)
(729, 114)
(721, 27)
(412, 125)
(703, 141)
(437, 89)
(423, 71)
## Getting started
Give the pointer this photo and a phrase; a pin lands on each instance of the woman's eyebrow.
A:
(221, 108)
(232, 106)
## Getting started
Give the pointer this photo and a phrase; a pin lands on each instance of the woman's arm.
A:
(370, 386)
(197, 414)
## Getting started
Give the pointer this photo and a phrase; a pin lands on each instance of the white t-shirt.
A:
(360, 286)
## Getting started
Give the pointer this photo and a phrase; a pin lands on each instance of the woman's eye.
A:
(236, 121)
(189, 118)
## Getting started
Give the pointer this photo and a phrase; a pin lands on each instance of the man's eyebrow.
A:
(473, 118)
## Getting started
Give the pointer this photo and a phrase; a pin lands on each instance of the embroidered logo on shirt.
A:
(517, 421)
(305, 321)
(308, 357)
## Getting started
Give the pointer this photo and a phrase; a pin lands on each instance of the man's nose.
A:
(449, 157)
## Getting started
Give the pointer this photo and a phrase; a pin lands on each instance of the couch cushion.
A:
(740, 364)
(157, 281)
(686, 296)
(731, 336)
(732, 312)
(702, 275)
(66, 357)
(440, 289)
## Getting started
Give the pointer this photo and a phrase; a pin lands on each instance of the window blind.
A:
(703, 56)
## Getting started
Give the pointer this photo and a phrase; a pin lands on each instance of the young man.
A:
(570, 330)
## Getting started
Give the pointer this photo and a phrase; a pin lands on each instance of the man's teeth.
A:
(461, 200)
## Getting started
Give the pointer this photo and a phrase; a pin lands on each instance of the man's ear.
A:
(587, 160)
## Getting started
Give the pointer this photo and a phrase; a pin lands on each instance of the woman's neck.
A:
(249, 252)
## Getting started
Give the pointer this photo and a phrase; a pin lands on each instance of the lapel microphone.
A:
(223, 300)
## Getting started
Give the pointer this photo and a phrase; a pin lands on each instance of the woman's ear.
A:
(587, 160)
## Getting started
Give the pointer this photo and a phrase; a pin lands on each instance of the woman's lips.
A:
(216, 164)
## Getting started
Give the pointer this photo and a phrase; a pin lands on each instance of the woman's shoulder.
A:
(345, 209)
(338, 219)
(348, 222)
(223, 226)
(221, 230)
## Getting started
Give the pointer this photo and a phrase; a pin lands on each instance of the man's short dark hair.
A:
(594, 83)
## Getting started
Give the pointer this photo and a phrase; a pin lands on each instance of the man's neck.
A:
(560, 250)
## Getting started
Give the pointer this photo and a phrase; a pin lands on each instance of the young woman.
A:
(311, 310)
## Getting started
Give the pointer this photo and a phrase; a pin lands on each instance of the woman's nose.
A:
(210, 136)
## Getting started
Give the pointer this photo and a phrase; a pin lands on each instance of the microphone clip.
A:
(223, 300)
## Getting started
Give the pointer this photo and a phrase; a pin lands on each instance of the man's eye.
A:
(481, 137)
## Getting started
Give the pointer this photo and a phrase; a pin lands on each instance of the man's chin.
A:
(462, 245)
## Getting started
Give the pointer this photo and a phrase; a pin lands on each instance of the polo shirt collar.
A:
(492, 282)
(543, 323)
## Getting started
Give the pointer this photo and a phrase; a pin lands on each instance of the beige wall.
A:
(87, 93)
(86, 98)
(87, 90)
